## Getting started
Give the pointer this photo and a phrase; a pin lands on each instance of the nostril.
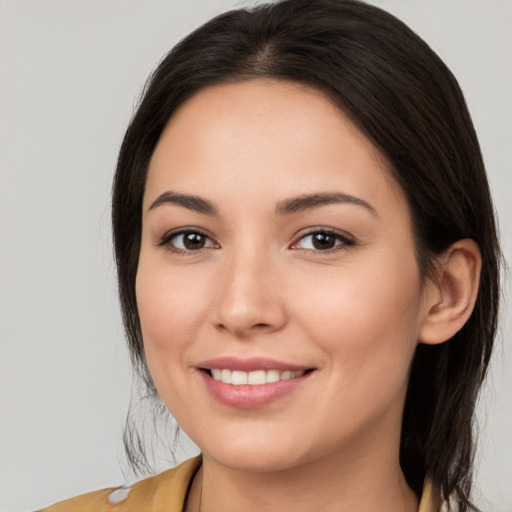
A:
(222, 326)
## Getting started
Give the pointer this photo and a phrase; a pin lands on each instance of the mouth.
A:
(252, 383)
(255, 377)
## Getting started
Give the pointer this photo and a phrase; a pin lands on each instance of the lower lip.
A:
(246, 396)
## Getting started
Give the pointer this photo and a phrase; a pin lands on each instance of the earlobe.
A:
(450, 301)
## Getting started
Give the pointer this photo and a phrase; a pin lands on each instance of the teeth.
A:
(225, 376)
(238, 378)
(273, 375)
(255, 378)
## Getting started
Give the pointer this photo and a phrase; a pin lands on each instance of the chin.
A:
(249, 452)
(264, 454)
(254, 460)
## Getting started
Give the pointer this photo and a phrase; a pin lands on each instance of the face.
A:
(278, 291)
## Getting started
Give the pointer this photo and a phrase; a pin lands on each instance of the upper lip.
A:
(249, 364)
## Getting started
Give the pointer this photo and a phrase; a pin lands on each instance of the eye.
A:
(322, 240)
(187, 241)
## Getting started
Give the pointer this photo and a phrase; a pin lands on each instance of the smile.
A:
(251, 383)
(254, 378)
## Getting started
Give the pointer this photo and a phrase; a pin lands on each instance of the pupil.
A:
(323, 241)
(193, 241)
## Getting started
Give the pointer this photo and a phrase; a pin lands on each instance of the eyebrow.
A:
(191, 202)
(310, 201)
(284, 207)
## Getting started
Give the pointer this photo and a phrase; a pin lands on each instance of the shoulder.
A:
(165, 491)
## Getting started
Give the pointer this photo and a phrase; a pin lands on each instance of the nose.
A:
(250, 298)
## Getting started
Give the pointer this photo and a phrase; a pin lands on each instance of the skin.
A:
(260, 288)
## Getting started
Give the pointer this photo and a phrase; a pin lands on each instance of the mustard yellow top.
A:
(166, 491)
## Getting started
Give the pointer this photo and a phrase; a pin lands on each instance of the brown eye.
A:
(188, 241)
(322, 241)
(193, 241)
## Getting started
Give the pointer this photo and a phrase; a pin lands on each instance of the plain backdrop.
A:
(70, 74)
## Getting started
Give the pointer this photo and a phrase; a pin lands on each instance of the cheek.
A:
(168, 300)
(169, 306)
(366, 320)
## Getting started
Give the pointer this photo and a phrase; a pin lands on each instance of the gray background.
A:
(70, 74)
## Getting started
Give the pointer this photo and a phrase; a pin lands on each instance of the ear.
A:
(450, 300)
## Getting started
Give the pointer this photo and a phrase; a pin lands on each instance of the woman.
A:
(308, 265)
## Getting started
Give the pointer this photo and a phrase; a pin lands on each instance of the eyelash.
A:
(166, 241)
(343, 240)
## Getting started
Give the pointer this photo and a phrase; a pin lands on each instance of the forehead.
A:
(265, 135)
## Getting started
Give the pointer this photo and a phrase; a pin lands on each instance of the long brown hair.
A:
(408, 103)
